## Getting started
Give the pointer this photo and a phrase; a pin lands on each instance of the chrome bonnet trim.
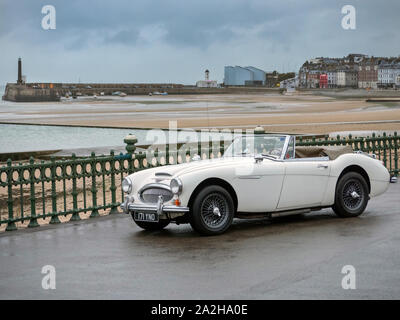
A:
(162, 174)
(154, 185)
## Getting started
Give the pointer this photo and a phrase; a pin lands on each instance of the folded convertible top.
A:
(322, 151)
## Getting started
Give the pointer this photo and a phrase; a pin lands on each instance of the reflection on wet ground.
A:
(287, 258)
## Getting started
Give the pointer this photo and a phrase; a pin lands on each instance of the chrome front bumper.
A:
(159, 208)
(162, 209)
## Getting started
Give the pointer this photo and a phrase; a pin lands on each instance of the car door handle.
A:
(324, 166)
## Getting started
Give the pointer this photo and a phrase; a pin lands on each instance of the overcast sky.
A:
(176, 40)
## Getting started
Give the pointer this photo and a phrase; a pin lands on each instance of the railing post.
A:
(95, 211)
(349, 141)
(54, 218)
(199, 151)
(373, 143)
(396, 153)
(113, 188)
(130, 141)
(368, 147)
(33, 222)
(75, 211)
(259, 130)
(167, 154)
(384, 149)
(156, 156)
(11, 226)
(222, 147)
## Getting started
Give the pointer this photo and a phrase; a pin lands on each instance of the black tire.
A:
(349, 204)
(152, 226)
(212, 211)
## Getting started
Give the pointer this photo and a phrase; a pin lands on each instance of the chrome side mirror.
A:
(393, 179)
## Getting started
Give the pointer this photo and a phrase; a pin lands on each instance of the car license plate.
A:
(146, 216)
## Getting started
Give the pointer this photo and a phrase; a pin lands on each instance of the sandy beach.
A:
(297, 113)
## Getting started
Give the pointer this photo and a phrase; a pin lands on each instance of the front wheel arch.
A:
(214, 181)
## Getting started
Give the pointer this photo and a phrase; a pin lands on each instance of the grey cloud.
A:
(268, 34)
(191, 23)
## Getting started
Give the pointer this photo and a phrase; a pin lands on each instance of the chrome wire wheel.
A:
(353, 194)
(214, 210)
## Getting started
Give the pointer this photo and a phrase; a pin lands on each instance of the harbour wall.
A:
(33, 92)
(24, 93)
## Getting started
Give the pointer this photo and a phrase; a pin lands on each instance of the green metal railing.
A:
(35, 193)
(385, 147)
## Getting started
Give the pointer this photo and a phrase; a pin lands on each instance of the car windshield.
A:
(249, 146)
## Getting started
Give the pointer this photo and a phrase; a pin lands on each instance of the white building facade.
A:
(389, 75)
(207, 83)
(332, 79)
(341, 78)
(347, 78)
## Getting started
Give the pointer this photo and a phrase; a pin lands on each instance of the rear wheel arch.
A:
(214, 181)
(359, 170)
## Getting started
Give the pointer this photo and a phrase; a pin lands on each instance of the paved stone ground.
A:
(295, 258)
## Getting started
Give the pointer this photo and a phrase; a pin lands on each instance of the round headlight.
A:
(176, 186)
(127, 185)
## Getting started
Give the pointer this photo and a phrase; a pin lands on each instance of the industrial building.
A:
(243, 76)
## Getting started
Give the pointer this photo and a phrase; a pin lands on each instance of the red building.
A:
(323, 80)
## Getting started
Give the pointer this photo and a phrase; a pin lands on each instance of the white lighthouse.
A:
(207, 83)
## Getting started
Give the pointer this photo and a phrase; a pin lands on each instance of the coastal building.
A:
(332, 79)
(341, 78)
(354, 70)
(303, 77)
(368, 73)
(347, 78)
(242, 76)
(259, 75)
(313, 79)
(352, 79)
(323, 81)
(389, 75)
(237, 76)
(271, 79)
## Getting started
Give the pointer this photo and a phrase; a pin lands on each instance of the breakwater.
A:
(26, 93)
(35, 92)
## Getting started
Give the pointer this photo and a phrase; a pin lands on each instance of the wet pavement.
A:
(294, 257)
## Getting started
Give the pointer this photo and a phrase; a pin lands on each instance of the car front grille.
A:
(150, 194)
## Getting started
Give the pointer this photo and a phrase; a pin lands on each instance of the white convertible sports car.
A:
(259, 175)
